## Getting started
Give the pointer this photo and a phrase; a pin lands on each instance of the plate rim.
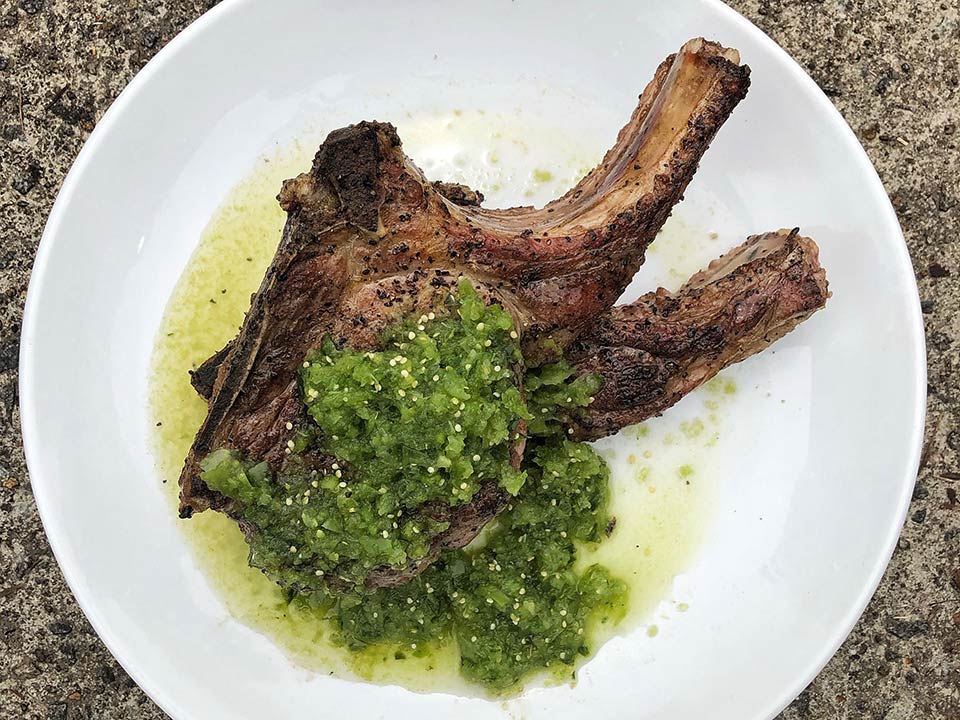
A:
(30, 427)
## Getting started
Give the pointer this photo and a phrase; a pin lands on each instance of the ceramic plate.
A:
(806, 486)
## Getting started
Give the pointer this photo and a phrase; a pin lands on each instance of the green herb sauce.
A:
(426, 421)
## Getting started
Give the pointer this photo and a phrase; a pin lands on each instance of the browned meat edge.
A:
(656, 350)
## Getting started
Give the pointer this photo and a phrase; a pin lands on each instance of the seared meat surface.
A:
(657, 349)
(369, 240)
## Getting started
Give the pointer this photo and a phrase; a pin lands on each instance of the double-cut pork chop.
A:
(368, 241)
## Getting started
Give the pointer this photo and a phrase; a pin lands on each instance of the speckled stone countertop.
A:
(893, 70)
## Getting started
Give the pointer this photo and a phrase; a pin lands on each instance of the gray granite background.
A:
(893, 70)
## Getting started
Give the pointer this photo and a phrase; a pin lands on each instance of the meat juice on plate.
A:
(660, 485)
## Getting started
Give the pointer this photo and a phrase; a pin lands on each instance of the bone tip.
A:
(701, 45)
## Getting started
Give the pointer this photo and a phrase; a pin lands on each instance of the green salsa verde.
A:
(427, 421)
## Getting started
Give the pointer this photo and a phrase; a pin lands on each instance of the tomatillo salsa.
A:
(428, 420)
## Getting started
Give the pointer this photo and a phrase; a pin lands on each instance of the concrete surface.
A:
(892, 69)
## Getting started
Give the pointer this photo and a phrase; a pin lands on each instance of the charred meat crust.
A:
(204, 377)
(458, 193)
(656, 350)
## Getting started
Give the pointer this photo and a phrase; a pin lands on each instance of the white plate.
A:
(809, 503)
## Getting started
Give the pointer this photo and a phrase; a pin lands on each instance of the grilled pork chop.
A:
(368, 241)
